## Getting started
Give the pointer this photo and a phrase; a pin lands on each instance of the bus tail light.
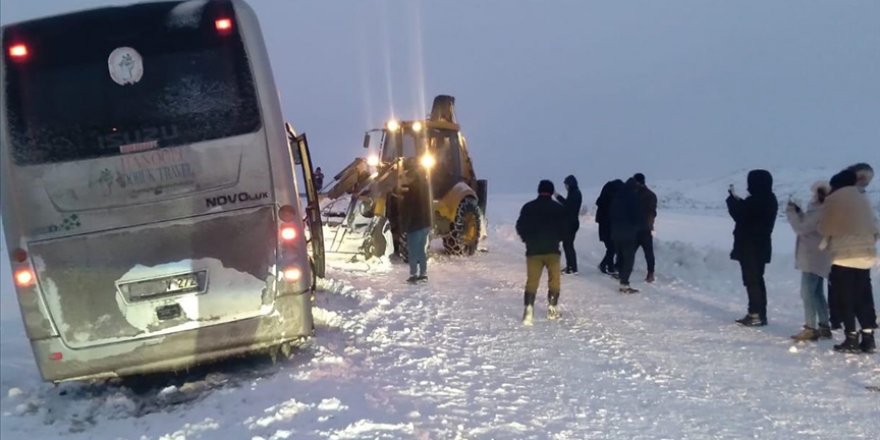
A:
(287, 214)
(291, 274)
(18, 51)
(288, 233)
(19, 255)
(56, 356)
(24, 278)
(223, 25)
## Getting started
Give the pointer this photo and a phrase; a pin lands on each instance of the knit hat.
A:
(546, 187)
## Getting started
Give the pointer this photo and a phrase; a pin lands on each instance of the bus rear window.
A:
(120, 80)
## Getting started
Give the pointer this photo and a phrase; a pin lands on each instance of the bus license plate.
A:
(173, 285)
(184, 282)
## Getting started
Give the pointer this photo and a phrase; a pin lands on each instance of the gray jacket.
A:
(809, 258)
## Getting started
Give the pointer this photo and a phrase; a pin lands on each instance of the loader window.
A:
(445, 147)
(406, 143)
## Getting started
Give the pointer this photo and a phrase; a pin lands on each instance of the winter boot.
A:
(650, 277)
(528, 315)
(825, 331)
(850, 344)
(553, 312)
(752, 320)
(807, 334)
(422, 279)
(626, 288)
(603, 269)
(412, 280)
(868, 345)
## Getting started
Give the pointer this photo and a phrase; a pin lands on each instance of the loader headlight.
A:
(428, 161)
(392, 125)
(373, 160)
(417, 126)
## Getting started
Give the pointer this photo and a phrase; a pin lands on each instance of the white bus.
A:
(149, 190)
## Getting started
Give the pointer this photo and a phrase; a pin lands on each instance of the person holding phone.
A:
(813, 262)
(755, 217)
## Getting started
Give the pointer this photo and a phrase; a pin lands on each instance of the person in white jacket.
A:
(814, 264)
(849, 227)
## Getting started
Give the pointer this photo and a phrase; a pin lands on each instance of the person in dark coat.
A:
(755, 217)
(627, 222)
(646, 236)
(572, 204)
(416, 223)
(603, 218)
(541, 226)
(319, 179)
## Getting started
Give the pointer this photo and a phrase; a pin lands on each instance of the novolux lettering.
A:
(241, 197)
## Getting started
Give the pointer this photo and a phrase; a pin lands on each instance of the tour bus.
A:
(149, 190)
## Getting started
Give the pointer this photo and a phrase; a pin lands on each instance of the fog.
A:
(599, 89)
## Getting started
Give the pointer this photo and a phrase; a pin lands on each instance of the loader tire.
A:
(465, 235)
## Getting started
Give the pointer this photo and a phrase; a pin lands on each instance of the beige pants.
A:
(535, 265)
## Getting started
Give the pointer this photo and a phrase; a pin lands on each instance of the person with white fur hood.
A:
(814, 264)
(849, 227)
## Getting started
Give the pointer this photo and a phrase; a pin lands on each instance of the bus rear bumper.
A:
(290, 321)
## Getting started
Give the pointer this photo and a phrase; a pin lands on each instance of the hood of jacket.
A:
(760, 182)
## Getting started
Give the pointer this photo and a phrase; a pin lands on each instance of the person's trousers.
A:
(646, 242)
(417, 251)
(813, 294)
(570, 254)
(753, 279)
(535, 265)
(626, 258)
(608, 262)
(852, 287)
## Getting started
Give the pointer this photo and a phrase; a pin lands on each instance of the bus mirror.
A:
(367, 140)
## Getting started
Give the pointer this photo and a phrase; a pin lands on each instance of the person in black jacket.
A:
(646, 236)
(572, 204)
(541, 226)
(603, 218)
(627, 221)
(319, 179)
(755, 217)
(416, 223)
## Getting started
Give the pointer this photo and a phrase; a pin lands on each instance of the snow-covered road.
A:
(450, 360)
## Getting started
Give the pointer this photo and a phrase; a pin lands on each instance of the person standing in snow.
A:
(572, 204)
(849, 227)
(627, 222)
(319, 179)
(814, 264)
(541, 226)
(755, 217)
(864, 174)
(609, 263)
(416, 223)
(645, 239)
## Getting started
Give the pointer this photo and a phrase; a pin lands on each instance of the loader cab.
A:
(437, 146)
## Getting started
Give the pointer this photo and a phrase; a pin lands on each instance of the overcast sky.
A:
(599, 89)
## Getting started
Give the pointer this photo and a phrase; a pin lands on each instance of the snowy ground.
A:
(450, 359)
